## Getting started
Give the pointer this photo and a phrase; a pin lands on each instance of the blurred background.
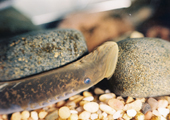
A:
(98, 20)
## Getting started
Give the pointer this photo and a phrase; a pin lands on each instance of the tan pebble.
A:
(141, 99)
(34, 115)
(126, 117)
(25, 114)
(131, 112)
(121, 99)
(106, 97)
(71, 104)
(94, 116)
(87, 94)
(90, 98)
(60, 103)
(107, 109)
(73, 117)
(137, 105)
(129, 99)
(162, 103)
(28, 118)
(104, 115)
(84, 115)
(153, 103)
(168, 99)
(64, 112)
(74, 97)
(42, 114)
(136, 34)
(156, 117)
(98, 91)
(163, 111)
(120, 118)
(116, 104)
(81, 103)
(91, 107)
(52, 116)
(16, 116)
(4, 116)
(155, 112)
(139, 116)
(79, 109)
(77, 100)
(148, 115)
(117, 114)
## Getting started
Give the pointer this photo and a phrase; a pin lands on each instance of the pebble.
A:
(94, 116)
(90, 98)
(137, 105)
(73, 112)
(16, 116)
(87, 94)
(64, 112)
(129, 99)
(60, 103)
(139, 116)
(42, 48)
(52, 116)
(73, 117)
(70, 104)
(162, 103)
(42, 114)
(91, 107)
(156, 117)
(131, 112)
(106, 97)
(153, 103)
(155, 112)
(163, 111)
(148, 115)
(146, 107)
(34, 115)
(117, 114)
(98, 91)
(107, 109)
(84, 115)
(116, 104)
(126, 117)
(142, 69)
(25, 114)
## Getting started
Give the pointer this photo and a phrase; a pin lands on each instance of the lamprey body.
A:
(58, 84)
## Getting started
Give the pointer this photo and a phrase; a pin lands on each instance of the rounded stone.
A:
(39, 51)
(143, 68)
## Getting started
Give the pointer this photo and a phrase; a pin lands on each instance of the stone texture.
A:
(143, 68)
(39, 51)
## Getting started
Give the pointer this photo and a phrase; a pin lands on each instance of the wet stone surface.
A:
(143, 68)
(39, 51)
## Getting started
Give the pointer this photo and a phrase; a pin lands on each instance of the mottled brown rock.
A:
(143, 68)
(39, 51)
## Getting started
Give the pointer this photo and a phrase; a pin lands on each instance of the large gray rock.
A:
(39, 51)
(143, 68)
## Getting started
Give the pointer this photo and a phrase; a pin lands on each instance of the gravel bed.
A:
(99, 105)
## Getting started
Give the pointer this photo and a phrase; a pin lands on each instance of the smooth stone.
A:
(143, 68)
(39, 51)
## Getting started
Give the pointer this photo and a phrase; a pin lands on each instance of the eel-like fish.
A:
(55, 85)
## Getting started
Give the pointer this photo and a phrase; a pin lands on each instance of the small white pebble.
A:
(162, 118)
(156, 113)
(34, 115)
(42, 114)
(64, 112)
(107, 96)
(107, 91)
(94, 116)
(73, 117)
(91, 107)
(104, 114)
(163, 111)
(107, 109)
(73, 111)
(90, 98)
(131, 112)
(117, 114)
(16, 116)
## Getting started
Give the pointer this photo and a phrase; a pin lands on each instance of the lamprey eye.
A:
(87, 81)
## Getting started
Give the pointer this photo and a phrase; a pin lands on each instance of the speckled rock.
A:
(143, 68)
(39, 51)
